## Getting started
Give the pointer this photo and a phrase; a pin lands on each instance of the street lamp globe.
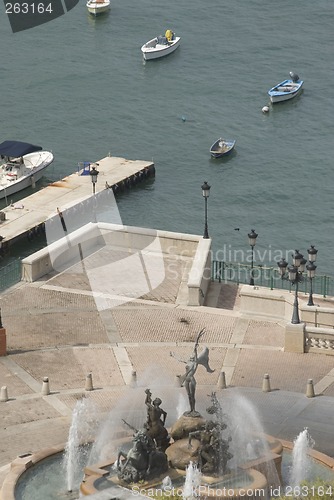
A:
(311, 267)
(292, 270)
(282, 266)
(206, 189)
(297, 258)
(93, 175)
(312, 253)
(252, 238)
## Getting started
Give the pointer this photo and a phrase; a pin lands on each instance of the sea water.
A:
(79, 86)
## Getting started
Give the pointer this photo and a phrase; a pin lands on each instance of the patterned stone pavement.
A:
(55, 330)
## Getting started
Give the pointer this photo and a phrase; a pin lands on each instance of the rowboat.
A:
(222, 147)
(287, 89)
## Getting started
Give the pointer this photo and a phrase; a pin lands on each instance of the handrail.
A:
(10, 274)
(267, 276)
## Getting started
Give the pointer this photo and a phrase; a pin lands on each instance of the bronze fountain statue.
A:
(157, 453)
(188, 379)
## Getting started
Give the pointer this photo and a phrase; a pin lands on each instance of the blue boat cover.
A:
(15, 149)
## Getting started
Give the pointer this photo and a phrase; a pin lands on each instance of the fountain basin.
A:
(18, 484)
(250, 484)
(249, 480)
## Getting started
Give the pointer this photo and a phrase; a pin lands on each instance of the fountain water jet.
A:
(192, 482)
(82, 431)
(301, 461)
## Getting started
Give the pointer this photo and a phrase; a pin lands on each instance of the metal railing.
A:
(268, 277)
(10, 274)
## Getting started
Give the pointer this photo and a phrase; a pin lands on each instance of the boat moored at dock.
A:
(23, 164)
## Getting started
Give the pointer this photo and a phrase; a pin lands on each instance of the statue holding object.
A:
(188, 379)
(155, 424)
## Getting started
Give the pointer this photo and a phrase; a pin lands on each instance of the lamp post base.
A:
(310, 300)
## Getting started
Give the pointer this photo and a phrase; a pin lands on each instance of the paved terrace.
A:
(54, 329)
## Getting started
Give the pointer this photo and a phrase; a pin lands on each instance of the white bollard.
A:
(4, 394)
(310, 389)
(221, 384)
(266, 383)
(89, 382)
(45, 387)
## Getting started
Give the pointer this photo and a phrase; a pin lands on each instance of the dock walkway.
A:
(31, 212)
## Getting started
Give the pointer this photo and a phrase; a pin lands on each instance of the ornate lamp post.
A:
(295, 276)
(311, 267)
(93, 175)
(252, 241)
(206, 193)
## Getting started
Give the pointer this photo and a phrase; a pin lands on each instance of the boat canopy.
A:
(14, 149)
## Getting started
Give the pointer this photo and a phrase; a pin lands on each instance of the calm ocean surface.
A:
(79, 86)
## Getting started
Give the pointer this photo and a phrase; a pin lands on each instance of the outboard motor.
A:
(294, 77)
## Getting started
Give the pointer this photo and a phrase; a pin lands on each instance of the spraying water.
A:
(182, 405)
(192, 482)
(301, 462)
(82, 431)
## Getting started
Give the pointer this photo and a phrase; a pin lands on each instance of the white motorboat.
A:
(160, 46)
(22, 164)
(287, 89)
(96, 7)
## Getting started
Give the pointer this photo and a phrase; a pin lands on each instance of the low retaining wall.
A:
(279, 304)
(77, 245)
(314, 333)
(200, 274)
(62, 253)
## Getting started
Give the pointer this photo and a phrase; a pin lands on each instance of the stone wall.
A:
(81, 243)
(315, 333)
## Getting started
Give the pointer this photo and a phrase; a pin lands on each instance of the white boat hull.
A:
(285, 91)
(159, 50)
(96, 8)
(286, 97)
(35, 164)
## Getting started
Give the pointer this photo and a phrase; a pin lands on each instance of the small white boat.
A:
(160, 46)
(22, 164)
(287, 89)
(97, 7)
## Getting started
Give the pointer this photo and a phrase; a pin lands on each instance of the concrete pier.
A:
(27, 217)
